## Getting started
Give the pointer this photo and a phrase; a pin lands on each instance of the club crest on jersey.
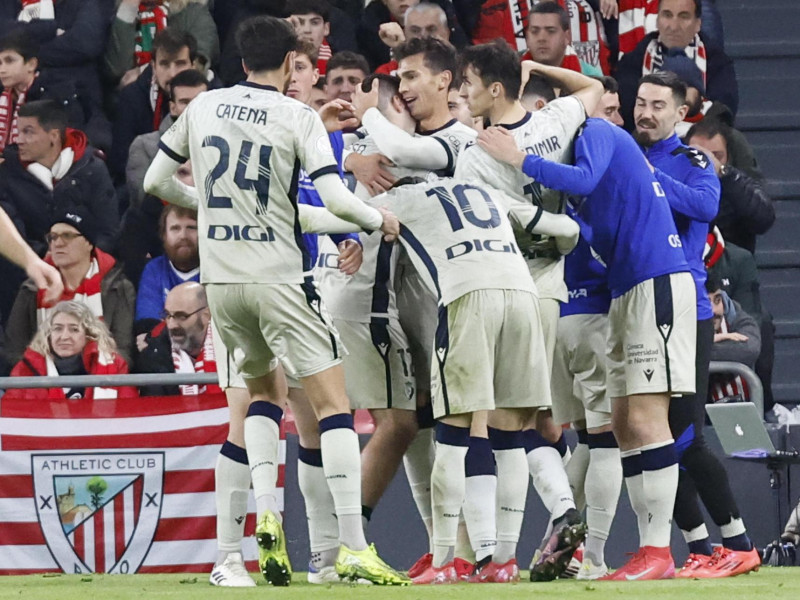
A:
(98, 511)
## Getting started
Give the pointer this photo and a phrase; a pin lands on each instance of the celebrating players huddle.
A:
(445, 307)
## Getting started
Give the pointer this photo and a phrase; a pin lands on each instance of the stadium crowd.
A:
(90, 86)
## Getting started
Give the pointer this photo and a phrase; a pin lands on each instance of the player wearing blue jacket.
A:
(651, 339)
(693, 191)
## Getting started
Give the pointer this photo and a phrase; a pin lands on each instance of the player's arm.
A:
(697, 197)
(587, 90)
(402, 148)
(534, 219)
(318, 219)
(593, 151)
(161, 182)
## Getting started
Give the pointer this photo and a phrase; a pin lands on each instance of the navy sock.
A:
(701, 547)
(740, 543)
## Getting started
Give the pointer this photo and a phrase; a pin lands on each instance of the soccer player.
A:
(245, 143)
(651, 336)
(458, 236)
(491, 82)
(693, 190)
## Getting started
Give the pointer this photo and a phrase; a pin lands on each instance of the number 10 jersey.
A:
(247, 144)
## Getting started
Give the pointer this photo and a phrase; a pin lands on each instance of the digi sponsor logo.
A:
(98, 511)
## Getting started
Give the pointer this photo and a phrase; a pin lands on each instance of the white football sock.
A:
(576, 474)
(323, 528)
(463, 547)
(231, 488)
(550, 480)
(480, 507)
(659, 488)
(603, 485)
(418, 464)
(732, 529)
(447, 492)
(341, 461)
(633, 483)
(512, 492)
(262, 439)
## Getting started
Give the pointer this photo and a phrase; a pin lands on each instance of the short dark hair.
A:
(189, 78)
(698, 8)
(308, 49)
(437, 54)
(50, 114)
(494, 62)
(670, 80)
(551, 8)
(171, 40)
(713, 282)
(21, 42)
(610, 84)
(307, 7)
(708, 128)
(347, 60)
(388, 87)
(180, 211)
(539, 86)
(263, 42)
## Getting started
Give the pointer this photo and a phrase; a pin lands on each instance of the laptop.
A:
(739, 427)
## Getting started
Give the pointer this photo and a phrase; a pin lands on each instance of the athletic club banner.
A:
(113, 486)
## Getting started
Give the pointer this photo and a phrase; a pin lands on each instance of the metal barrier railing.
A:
(134, 379)
(754, 385)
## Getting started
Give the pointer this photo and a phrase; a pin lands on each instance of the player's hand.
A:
(391, 34)
(351, 254)
(500, 145)
(609, 9)
(336, 115)
(370, 171)
(391, 225)
(46, 277)
(363, 101)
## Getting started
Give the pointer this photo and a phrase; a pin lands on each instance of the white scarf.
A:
(61, 167)
(654, 56)
(36, 9)
(206, 363)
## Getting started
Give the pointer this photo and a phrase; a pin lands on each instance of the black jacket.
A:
(156, 358)
(721, 83)
(745, 209)
(33, 207)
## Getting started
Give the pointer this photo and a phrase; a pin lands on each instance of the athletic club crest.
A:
(98, 511)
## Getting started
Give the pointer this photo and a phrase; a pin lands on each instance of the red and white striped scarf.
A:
(323, 56)
(152, 19)
(87, 292)
(654, 56)
(103, 365)
(9, 113)
(637, 18)
(206, 362)
(36, 10)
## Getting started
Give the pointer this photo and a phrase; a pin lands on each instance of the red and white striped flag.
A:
(114, 486)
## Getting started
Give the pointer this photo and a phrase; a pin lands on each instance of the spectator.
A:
(736, 270)
(394, 11)
(740, 153)
(90, 276)
(132, 38)
(52, 169)
(184, 88)
(72, 341)
(736, 339)
(745, 209)
(423, 20)
(678, 34)
(179, 263)
(312, 23)
(144, 103)
(71, 35)
(549, 39)
(23, 81)
(587, 32)
(346, 70)
(305, 75)
(181, 343)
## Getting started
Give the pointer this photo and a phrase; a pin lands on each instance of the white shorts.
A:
(229, 376)
(260, 322)
(377, 368)
(550, 313)
(418, 313)
(579, 371)
(652, 331)
(489, 354)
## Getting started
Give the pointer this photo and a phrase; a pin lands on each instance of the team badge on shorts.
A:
(98, 511)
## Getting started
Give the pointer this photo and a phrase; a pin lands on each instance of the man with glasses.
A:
(89, 276)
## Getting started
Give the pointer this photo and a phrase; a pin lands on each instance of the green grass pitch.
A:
(767, 584)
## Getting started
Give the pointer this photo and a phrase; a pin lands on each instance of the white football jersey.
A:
(366, 146)
(458, 236)
(247, 144)
(548, 133)
(454, 137)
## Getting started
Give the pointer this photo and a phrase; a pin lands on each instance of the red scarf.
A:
(206, 362)
(87, 292)
(152, 19)
(9, 112)
(323, 56)
(637, 18)
(502, 19)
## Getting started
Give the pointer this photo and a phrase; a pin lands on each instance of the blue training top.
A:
(693, 191)
(626, 217)
(586, 279)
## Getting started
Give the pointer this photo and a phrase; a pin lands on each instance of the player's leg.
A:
(480, 488)
(418, 466)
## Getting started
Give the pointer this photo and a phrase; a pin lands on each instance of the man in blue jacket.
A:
(692, 188)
